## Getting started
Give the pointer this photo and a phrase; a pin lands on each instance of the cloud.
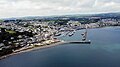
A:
(107, 5)
(16, 8)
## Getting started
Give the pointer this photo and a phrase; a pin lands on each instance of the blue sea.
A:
(104, 51)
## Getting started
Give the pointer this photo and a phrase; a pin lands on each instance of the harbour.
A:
(103, 51)
(59, 33)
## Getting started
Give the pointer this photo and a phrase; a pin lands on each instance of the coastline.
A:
(39, 47)
(32, 49)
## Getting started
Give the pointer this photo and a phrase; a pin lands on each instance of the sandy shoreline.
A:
(32, 49)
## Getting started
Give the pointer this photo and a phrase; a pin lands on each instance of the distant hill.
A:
(107, 15)
(102, 15)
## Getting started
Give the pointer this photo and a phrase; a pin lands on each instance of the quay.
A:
(77, 42)
(84, 38)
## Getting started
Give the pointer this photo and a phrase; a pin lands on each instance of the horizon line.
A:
(58, 15)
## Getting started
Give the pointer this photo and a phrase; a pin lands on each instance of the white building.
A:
(74, 23)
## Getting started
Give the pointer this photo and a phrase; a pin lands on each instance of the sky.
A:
(20, 8)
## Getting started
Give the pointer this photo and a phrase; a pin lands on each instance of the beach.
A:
(32, 49)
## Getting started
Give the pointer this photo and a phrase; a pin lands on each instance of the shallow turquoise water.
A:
(103, 52)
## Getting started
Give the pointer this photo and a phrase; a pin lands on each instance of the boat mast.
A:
(84, 34)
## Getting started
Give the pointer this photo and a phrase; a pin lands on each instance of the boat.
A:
(58, 34)
(71, 34)
(84, 38)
